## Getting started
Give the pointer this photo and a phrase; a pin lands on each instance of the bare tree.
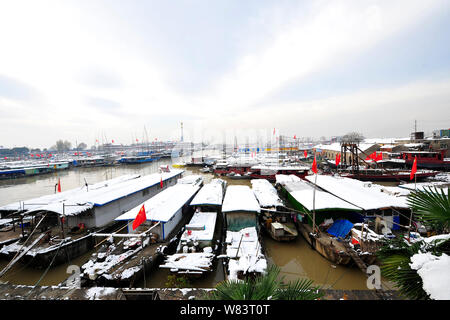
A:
(353, 137)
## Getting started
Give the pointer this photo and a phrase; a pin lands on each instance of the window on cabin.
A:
(145, 192)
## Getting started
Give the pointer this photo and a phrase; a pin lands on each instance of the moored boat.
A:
(242, 249)
(274, 218)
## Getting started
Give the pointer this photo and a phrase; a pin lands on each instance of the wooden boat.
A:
(269, 172)
(329, 211)
(128, 260)
(242, 248)
(427, 159)
(370, 174)
(197, 247)
(123, 263)
(274, 218)
(65, 222)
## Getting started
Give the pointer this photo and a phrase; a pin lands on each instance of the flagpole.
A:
(314, 200)
(314, 205)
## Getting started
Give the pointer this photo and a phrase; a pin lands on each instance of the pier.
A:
(20, 292)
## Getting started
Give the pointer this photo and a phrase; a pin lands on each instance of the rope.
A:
(48, 268)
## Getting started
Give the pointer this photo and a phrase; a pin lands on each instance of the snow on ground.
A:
(434, 272)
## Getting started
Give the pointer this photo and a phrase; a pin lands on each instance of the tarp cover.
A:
(340, 228)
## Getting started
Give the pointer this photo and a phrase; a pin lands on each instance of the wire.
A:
(48, 268)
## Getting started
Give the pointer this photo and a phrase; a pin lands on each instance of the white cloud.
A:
(57, 47)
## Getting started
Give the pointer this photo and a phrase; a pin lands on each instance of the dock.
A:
(21, 292)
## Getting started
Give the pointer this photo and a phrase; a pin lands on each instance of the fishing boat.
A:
(137, 159)
(376, 174)
(242, 249)
(165, 214)
(270, 172)
(197, 247)
(58, 227)
(179, 165)
(274, 218)
(210, 197)
(389, 203)
(199, 243)
(321, 211)
(427, 159)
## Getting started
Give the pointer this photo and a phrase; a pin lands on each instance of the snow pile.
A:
(249, 257)
(240, 198)
(96, 292)
(434, 272)
(201, 227)
(128, 273)
(94, 269)
(368, 233)
(265, 193)
(196, 261)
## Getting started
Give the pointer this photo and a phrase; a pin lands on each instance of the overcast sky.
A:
(86, 69)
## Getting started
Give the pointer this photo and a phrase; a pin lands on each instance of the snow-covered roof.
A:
(337, 146)
(191, 179)
(303, 193)
(265, 193)
(201, 227)
(163, 206)
(283, 178)
(240, 198)
(365, 195)
(80, 199)
(383, 140)
(210, 194)
(278, 168)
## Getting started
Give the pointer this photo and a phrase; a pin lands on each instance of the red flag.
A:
(161, 183)
(354, 241)
(141, 217)
(6, 158)
(305, 153)
(338, 159)
(295, 137)
(273, 131)
(113, 141)
(379, 157)
(414, 169)
(59, 185)
(314, 165)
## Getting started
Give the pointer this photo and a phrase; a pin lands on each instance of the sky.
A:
(119, 70)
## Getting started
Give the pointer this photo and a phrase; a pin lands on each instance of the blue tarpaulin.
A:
(340, 228)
